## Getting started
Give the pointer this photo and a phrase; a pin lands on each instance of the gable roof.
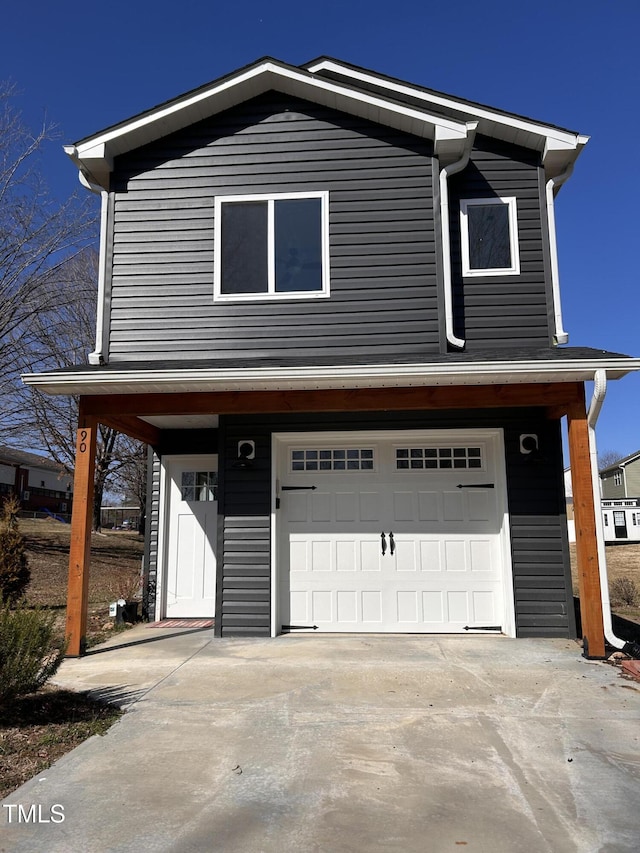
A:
(26, 459)
(621, 463)
(446, 120)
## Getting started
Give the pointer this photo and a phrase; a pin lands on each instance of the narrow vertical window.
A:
(489, 236)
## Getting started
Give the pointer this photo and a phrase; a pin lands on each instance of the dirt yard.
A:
(116, 561)
(623, 561)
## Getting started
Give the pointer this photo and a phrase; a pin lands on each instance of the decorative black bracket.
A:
(475, 486)
(298, 488)
(299, 627)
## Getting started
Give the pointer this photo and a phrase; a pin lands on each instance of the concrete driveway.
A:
(330, 743)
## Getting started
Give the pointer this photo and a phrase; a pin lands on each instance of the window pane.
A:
(244, 247)
(489, 246)
(298, 244)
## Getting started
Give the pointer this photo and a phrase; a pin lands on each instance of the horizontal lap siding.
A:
(150, 581)
(382, 242)
(506, 310)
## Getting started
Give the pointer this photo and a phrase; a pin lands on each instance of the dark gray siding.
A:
(382, 245)
(540, 555)
(506, 310)
(244, 577)
(150, 579)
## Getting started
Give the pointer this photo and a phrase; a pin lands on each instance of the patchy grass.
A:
(112, 554)
(622, 561)
(37, 730)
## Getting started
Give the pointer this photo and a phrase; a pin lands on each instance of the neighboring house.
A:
(42, 485)
(329, 302)
(620, 488)
(622, 479)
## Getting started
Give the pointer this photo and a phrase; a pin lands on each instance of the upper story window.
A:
(617, 478)
(271, 246)
(489, 232)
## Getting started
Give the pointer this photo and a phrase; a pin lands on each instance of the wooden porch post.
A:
(586, 536)
(81, 518)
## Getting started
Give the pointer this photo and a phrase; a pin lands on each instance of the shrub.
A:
(14, 568)
(30, 651)
(624, 592)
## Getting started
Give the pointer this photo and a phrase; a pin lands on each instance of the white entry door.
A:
(401, 532)
(192, 513)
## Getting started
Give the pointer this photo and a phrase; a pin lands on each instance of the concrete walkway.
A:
(361, 744)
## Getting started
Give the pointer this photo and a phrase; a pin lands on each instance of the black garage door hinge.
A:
(482, 628)
(299, 627)
(475, 486)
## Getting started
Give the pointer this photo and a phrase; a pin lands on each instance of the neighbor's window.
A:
(489, 232)
(617, 478)
(271, 246)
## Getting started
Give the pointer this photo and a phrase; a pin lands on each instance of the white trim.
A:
(510, 202)
(270, 198)
(495, 437)
(164, 510)
(163, 522)
(439, 99)
(337, 376)
(561, 335)
(95, 154)
(445, 230)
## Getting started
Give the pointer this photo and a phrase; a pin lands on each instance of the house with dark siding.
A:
(329, 302)
(42, 486)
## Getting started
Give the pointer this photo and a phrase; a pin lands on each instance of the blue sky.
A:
(571, 63)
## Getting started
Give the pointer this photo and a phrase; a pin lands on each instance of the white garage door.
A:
(392, 532)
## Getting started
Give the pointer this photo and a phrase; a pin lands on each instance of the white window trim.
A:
(271, 294)
(511, 203)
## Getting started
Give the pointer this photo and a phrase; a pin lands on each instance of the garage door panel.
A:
(453, 506)
(403, 506)
(480, 507)
(321, 506)
(429, 506)
(444, 573)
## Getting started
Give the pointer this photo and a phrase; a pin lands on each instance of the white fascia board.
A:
(487, 115)
(314, 378)
(248, 84)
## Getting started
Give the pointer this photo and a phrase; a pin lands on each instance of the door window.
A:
(199, 486)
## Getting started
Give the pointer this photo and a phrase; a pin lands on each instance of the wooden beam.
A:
(133, 427)
(586, 536)
(557, 394)
(80, 547)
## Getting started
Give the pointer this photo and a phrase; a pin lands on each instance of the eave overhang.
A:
(559, 147)
(104, 381)
(94, 155)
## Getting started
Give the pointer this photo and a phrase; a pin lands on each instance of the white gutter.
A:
(445, 226)
(97, 356)
(599, 393)
(561, 337)
(147, 379)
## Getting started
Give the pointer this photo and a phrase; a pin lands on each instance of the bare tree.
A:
(59, 337)
(607, 458)
(37, 235)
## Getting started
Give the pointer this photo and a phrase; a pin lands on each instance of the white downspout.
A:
(561, 337)
(97, 356)
(451, 169)
(599, 393)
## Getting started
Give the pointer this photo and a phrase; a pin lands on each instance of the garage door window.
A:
(419, 458)
(332, 459)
